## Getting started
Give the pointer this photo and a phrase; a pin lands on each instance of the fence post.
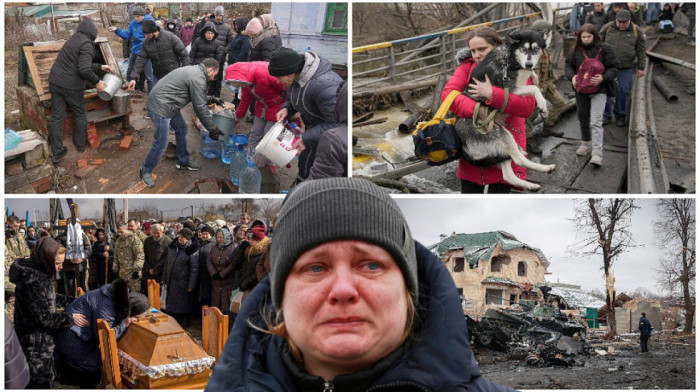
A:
(443, 50)
(392, 64)
(454, 49)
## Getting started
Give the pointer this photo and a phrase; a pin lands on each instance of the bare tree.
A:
(269, 208)
(604, 225)
(675, 233)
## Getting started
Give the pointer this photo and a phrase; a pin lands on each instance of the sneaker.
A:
(606, 120)
(597, 158)
(187, 166)
(584, 149)
(147, 178)
(57, 157)
(620, 122)
(533, 148)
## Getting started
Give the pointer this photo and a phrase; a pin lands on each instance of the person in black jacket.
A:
(16, 368)
(264, 41)
(332, 153)
(590, 107)
(207, 46)
(365, 306)
(100, 262)
(163, 48)
(72, 68)
(644, 332)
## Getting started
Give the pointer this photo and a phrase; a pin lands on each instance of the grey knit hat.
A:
(138, 11)
(331, 209)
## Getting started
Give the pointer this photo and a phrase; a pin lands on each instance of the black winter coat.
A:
(225, 33)
(74, 65)
(239, 49)
(36, 319)
(155, 254)
(100, 272)
(644, 326)
(166, 53)
(204, 278)
(265, 45)
(78, 347)
(16, 368)
(438, 359)
(180, 276)
(202, 49)
(607, 57)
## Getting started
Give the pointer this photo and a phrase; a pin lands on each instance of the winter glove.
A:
(215, 100)
(244, 245)
(135, 275)
(215, 133)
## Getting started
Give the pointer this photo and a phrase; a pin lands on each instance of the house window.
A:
(459, 264)
(494, 297)
(522, 268)
(498, 262)
(336, 19)
(513, 299)
(460, 290)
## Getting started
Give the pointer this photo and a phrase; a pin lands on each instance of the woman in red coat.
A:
(269, 95)
(476, 179)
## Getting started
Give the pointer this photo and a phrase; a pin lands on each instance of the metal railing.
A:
(383, 62)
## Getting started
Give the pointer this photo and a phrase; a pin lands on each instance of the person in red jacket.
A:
(257, 84)
(487, 179)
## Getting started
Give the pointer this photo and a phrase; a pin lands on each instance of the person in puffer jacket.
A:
(365, 306)
(79, 348)
(207, 46)
(259, 86)
(312, 88)
(239, 50)
(489, 179)
(332, 153)
(163, 48)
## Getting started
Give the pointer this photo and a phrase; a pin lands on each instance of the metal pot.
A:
(120, 101)
(224, 120)
(114, 83)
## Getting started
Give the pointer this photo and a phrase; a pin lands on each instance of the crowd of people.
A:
(609, 54)
(183, 64)
(197, 263)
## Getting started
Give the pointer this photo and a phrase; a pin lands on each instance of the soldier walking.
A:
(128, 257)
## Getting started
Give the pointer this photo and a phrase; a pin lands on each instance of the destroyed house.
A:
(492, 269)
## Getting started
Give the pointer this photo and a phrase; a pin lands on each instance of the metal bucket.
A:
(224, 120)
(114, 83)
(120, 102)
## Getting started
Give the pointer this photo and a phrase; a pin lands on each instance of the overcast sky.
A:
(540, 222)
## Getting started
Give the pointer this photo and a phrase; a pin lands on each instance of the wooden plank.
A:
(34, 53)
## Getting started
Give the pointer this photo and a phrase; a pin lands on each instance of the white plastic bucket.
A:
(277, 145)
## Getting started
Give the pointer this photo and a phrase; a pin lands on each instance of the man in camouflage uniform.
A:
(128, 257)
(550, 92)
(15, 248)
(134, 227)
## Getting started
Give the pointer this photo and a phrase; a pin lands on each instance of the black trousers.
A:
(61, 100)
(643, 340)
(472, 187)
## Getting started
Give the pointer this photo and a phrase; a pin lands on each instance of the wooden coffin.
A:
(156, 353)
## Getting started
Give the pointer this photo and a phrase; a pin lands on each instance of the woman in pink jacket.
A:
(269, 95)
(476, 179)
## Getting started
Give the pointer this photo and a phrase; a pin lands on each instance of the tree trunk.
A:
(610, 295)
(689, 307)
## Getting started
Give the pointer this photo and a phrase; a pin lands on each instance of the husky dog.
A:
(507, 66)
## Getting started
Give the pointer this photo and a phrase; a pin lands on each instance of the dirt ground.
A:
(669, 364)
(120, 171)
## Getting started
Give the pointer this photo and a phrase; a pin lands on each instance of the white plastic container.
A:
(277, 145)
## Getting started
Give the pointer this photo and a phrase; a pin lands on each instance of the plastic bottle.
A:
(123, 67)
(227, 150)
(237, 165)
(12, 139)
(251, 178)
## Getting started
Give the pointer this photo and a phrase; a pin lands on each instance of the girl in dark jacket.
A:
(475, 179)
(379, 312)
(590, 107)
(239, 49)
(180, 277)
(79, 348)
(35, 316)
(207, 46)
(221, 269)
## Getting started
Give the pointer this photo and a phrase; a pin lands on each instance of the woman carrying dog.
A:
(476, 179)
(592, 90)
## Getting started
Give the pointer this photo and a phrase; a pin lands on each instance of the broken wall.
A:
(470, 280)
(653, 312)
(622, 317)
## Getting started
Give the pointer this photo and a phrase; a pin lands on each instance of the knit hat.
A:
(254, 27)
(267, 20)
(149, 27)
(285, 61)
(138, 11)
(138, 303)
(208, 229)
(187, 233)
(331, 209)
(623, 16)
(541, 25)
(258, 232)
(219, 10)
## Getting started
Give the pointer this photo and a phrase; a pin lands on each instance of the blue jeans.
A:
(653, 11)
(625, 80)
(148, 70)
(161, 128)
